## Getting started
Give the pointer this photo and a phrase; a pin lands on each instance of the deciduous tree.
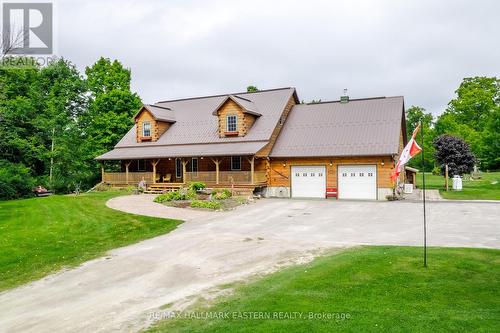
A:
(455, 153)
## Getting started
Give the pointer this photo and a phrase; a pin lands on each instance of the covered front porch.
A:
(174, 172)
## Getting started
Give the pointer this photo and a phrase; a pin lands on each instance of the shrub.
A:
(241, 200)
(436, 171)
(104, 188)
(15, 181)
(190, 194)
(167, 197)
(182, 194)
(211, 204)
(221, 194)
(196, 186)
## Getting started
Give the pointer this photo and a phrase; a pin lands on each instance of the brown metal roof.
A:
(358, 128)
(194, 122)
(247, 105)
(217, 149)
(159, 113)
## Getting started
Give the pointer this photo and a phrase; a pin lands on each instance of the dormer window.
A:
(232, 123)
(146, 129)
(236, 116)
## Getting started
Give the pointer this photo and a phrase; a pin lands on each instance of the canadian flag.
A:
(411, 149)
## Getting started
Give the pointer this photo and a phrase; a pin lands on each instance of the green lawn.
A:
(481, 189)
(41, 235)
(375, 289)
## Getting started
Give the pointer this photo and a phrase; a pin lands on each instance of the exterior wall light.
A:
(382, 163)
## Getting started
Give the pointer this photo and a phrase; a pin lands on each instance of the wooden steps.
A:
(159, 188)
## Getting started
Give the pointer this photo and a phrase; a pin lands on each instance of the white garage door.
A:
(308, 181)
(357, 182)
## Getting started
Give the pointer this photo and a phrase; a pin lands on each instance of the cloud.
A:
(419, 49)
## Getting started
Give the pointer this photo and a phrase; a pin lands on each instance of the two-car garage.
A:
(353, 181)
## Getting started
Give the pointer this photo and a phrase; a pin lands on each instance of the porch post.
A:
(217, 171)
(154, 163)
(252, 163)
(126, 171)
(102, 171)
(217, 162)
(184, 163)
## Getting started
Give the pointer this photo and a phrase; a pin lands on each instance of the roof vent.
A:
(344, 98)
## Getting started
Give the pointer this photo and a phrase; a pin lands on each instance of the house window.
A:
(235, 163)
(194, 164)
(361, 174)
(370, 174)
(178, 168)
(141, 165)
(231, 123)
(146, 128)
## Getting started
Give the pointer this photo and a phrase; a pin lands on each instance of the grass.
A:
(367, 289)
(481, 189)
(42, 235)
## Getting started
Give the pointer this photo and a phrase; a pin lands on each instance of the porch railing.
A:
(226, 177)
(121, 177)
(201, 176)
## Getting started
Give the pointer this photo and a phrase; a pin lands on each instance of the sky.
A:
(176, 49)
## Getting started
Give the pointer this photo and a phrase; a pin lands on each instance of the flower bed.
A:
(196, 196)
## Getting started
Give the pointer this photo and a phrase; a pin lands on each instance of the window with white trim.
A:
(146, 128)
(235, 162)
(178, 168)
(232, 123)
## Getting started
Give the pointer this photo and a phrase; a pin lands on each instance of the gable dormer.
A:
(236, 116)
(152, 121)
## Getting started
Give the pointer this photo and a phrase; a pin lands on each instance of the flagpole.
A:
(423, 192)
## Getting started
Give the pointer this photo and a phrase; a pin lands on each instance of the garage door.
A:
(308, 181)
(357, 182)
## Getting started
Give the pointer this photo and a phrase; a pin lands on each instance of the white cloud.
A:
(419, 49)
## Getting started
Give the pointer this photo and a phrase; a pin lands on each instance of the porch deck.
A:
(210, 178)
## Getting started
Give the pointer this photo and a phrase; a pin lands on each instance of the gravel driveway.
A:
(119, 292)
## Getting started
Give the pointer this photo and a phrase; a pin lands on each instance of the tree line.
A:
(54, 121)
(471, 118)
